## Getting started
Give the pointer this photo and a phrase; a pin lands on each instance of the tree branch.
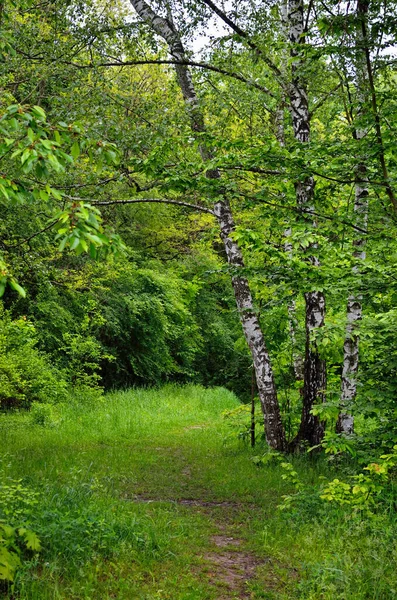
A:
(31, 237)
(362, 10)
(243, 34)
(142, 200)
(250, 170)
(324, 99)
(309, 212)
(185, 63)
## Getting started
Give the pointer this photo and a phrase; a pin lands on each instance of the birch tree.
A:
(295, 90)
(361, 191)
(249, 319)
(314, 366)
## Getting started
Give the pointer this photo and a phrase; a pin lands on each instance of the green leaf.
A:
(56, 194)
(38, 112)
(75, 150)
(18, 288)
(47, 144)
(62, 245)
(32, 541)
(4, 192)
(12, 109)
(75, 242)
(6, 571)
(26, 154)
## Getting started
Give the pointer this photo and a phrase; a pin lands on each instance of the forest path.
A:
(227, 565)
(226, 558)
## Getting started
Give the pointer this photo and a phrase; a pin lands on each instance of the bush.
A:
(26, 376)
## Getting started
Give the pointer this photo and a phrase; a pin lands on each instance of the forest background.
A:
(226, 218)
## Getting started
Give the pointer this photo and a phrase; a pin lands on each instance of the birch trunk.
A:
(280, 135)
(345, 422)
(275, 435)
(311, 428)
(354, 314)
(253, 334)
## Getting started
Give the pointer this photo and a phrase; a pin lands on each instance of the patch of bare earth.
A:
(230, 568)
(184, 501)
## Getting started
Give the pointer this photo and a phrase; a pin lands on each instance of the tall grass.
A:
(110, 475)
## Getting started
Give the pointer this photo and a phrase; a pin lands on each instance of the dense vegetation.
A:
(194, 193)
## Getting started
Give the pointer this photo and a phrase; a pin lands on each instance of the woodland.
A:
(198, 313)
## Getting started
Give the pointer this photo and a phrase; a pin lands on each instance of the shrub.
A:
(25, 374)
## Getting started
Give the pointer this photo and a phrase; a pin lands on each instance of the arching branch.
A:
(144, 200)
(186, 63)
(243, 34)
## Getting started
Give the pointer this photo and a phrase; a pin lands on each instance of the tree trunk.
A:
(297, 359)
(275, 435)
(345, 422)
(274, 430)
(311, 429)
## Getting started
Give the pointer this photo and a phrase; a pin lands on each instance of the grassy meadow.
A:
(150, 494)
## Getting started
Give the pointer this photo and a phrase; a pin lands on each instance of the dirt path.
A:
(227, 565)
(231, 567)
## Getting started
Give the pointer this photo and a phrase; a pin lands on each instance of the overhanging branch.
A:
(186, 63)
(144, 200)
(244, 35)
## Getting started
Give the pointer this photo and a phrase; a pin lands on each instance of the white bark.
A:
(354, 306)
(280, 135)
(314, 368)
(253, 332)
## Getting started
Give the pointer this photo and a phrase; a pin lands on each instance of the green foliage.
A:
(335, 443)
(369, 491)
(25, 374)
(83, 355)
(28, 137)
(161, 308)
(116, 498)
(79, 531)
(79, 228)
(239, 422)
(17, 502)
(17, 540)
(13, 543)
(42, 413)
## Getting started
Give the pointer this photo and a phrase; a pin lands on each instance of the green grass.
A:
(113, 480)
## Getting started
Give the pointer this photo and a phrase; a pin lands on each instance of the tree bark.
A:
(274, 430)
(354, 310)
(297, 359)
(345, 422)
(311, 429)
